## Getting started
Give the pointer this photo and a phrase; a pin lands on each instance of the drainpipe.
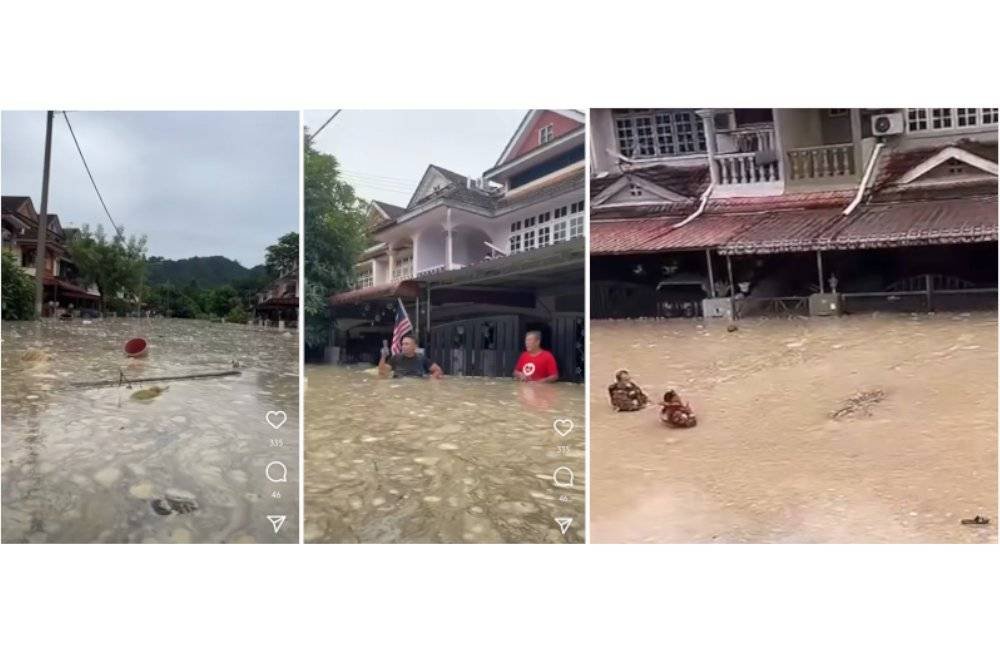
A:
(697, 212)
(869, 170)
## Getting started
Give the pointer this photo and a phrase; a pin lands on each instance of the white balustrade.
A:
(824, 162)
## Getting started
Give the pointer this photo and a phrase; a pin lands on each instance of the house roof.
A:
(408, 288)
(525, 125)
(391, 210)
(961, 220)
(11, 203)
(687, 181)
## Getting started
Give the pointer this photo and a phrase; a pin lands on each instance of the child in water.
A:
(626, 396)
(675, 412)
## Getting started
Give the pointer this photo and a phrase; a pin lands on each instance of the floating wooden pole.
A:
(122, 380)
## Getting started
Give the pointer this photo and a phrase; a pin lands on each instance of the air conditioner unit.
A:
(887, 124)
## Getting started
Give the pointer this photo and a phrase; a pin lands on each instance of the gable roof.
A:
(390, 211)
(525, 126)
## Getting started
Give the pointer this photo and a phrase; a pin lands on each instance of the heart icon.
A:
(562, 426)
(276, 419)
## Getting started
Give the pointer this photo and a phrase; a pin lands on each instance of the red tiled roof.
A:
(917, 223)
(627, 236)
(407, 288)
(656, 235)
(784, 231)
(897, 162)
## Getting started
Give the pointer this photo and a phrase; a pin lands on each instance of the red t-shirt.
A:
(537, 366)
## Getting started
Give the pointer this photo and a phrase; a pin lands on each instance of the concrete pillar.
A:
(708, 121)
(448, 241)
(856, 142)
(392, 263)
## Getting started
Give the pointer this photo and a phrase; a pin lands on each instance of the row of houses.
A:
(62, 285)
(710, 211)
(479, 260)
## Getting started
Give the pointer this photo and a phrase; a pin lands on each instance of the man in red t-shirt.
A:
(535, 364)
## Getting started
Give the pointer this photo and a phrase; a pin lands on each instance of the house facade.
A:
(506, 246)
(278, 304)
(62, 285)
(769, 207)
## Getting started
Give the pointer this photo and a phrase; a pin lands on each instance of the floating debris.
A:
(859, 403)
(976, 521)
(150, 393)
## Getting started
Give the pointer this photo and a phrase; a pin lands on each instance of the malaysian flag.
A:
(402, 327)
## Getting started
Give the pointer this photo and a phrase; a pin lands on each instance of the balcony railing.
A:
(825, 162)
(751, 144)
(743, 169)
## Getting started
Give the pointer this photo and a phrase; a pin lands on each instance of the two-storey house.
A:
(480, 260)
(881, 208)
(62, 284)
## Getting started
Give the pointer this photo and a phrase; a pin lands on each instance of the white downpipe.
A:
(865, 179)
(697, 212)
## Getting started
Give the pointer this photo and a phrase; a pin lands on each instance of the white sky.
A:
(384, 153)
(195, 183)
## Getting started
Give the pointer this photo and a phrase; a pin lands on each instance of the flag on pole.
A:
(402, 327)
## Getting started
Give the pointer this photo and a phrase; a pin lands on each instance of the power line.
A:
(90, 174)
(332, 117)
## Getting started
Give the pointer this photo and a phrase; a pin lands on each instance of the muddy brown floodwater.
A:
(767, 461)
(185, 465)
(461, 459)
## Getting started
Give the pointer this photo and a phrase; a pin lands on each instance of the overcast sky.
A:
(195, 183)
(383, 154)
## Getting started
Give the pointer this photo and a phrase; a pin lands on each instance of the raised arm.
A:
(384, 369)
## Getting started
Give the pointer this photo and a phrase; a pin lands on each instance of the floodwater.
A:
(187, 465)
(460, 459)
(913, 455)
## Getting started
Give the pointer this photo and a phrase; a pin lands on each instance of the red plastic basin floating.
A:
(136, 347)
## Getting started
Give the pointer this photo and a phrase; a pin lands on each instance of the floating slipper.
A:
(976, 521)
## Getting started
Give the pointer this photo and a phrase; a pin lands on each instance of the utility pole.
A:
(43, 219)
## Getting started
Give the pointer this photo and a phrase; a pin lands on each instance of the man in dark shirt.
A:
(408, 363)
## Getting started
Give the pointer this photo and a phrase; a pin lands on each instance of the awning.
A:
(627, 236)
(643, 236)
(67, 290)
(407, 288)
(902, 224)
(786, 231)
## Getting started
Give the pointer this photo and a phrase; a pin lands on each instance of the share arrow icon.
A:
(278, 520)
(564, 523)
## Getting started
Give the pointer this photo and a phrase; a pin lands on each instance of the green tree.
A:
(335, 234)
(237, 315)
(18, 290)
(283, 257)
(114, 265)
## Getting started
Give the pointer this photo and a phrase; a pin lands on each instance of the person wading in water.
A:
(535, 364)
(625, 394)
(408, 363)
(675, 412)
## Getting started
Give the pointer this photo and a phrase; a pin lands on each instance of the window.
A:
(947, 118)
(634, 189)
(940, 117)
(529, 222)
(559, 231)
(916, 119)
(663, 132)
(967, 116)
(529, 240)
(515, 244)
(576, 220)
(403, 268)
(516, 226)
(544, 237)
(545, 134)
(365, 279)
